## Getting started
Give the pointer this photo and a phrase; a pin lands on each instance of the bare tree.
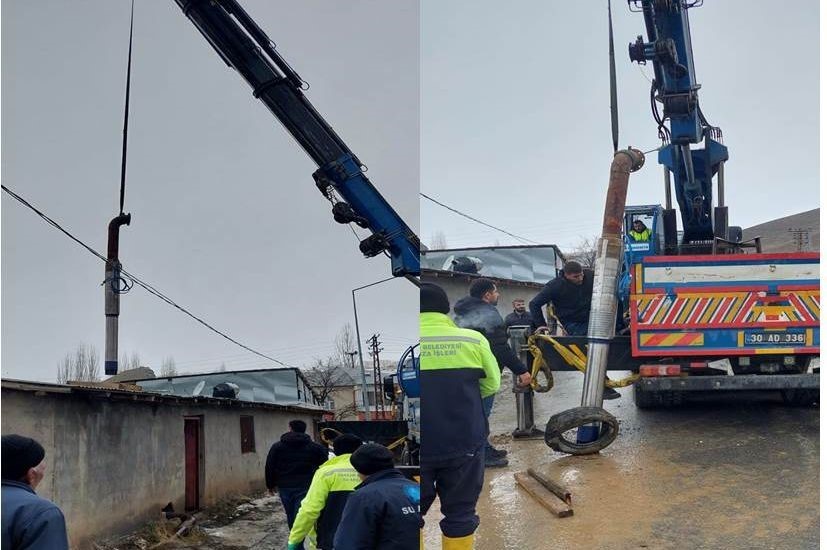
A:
(439, 241)
(585, 251)
(325, 377)
(129, 362)
(345, 345)
(82, 365)
(167, 368)
(349, 410)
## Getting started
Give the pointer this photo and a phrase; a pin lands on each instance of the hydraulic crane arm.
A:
(669, 48)
(247, 49)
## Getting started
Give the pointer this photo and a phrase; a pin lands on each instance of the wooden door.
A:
(192, 465)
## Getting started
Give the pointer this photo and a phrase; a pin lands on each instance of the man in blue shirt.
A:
(28, 521)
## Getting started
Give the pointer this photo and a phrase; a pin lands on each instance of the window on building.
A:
(248, 435)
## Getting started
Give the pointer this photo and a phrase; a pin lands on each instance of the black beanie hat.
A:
(19, 454)
(345, 443)
(432, 299)
(371, 458)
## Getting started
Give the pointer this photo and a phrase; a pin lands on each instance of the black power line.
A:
(463, 214)
(146, 286)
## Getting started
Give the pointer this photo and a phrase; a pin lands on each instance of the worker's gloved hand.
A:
(524, 379)
(541, 330)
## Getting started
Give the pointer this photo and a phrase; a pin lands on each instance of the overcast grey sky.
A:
(515, 112)
(226, 218)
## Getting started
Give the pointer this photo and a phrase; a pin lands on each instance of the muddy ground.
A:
(236, 524)
(721, 472)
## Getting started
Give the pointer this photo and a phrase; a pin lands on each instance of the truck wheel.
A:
(566, 421)
(653, 399)
(800, 398)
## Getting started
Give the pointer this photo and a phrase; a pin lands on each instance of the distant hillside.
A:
(776, 235)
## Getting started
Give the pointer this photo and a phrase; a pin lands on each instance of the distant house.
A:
(116, 454)
(343, 386)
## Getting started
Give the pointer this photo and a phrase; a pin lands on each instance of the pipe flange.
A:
(635, 156)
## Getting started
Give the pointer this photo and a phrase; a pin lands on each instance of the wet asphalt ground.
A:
(721, 471)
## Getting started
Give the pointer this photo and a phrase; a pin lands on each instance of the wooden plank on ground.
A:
(562, 493)
(543, 496)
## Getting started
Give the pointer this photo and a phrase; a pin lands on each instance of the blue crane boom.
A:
(240, 42)
(669, 48)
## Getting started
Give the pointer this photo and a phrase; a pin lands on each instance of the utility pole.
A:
(801, 238)
(352, 355)
(379, 397)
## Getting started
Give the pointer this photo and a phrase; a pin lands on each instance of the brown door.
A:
(192, 445)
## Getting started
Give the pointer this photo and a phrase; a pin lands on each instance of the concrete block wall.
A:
(112, 465)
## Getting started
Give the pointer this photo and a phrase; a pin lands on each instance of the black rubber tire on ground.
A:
(560, 423)
(800, 397)
(653, 399)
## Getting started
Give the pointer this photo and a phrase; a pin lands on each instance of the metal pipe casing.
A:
(602, 318)
(667, 183)
(721, 185)
(111, 299)
(603, 312)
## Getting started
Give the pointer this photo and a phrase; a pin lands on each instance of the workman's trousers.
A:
(291, 499)
(458, 483)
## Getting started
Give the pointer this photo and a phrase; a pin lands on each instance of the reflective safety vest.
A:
(642, 236)
(456, 370)
(322, 508)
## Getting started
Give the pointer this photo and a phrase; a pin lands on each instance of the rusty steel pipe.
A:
(111, 299)
(602, 317)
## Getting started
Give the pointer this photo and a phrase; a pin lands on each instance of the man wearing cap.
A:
(383, 511)
(571, 295)
(332, 484)
(457, 369)
(29, 521)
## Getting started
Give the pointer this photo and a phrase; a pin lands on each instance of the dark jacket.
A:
(292, 461)
(382, 514)
(477, 314)
(30, 521)
(514, 318)
(572, 302)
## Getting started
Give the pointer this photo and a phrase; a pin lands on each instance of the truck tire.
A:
(655, 399)
(562, 422)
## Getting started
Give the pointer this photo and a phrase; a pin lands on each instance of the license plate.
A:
(773, 338)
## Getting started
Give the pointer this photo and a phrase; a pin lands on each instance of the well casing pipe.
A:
(603, 315)
(112, 299)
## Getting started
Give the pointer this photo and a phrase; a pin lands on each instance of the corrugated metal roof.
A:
(528, 264)
(122, 394)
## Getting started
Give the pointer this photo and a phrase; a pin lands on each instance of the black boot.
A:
(610, 393)
(490, 450)
(492, 461)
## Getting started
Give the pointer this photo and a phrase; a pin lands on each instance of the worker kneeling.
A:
(383, 511)
(457, 369)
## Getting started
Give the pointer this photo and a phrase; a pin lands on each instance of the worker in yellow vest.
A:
(322, 508)
(639, 232)
(457, 370)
